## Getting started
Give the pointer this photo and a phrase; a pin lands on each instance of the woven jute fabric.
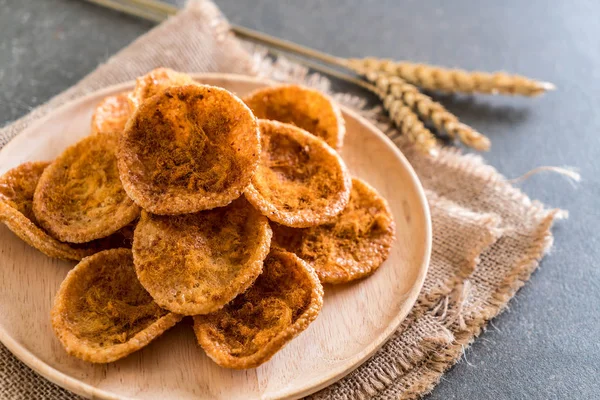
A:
(487, 236)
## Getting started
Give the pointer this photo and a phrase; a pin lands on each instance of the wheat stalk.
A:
(452, 80)
(400, 98)
(428, 109)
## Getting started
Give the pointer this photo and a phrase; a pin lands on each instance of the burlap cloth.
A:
(487, 236)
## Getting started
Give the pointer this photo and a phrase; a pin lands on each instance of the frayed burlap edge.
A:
(432, 369)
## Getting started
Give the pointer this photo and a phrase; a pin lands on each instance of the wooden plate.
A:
(355, 321)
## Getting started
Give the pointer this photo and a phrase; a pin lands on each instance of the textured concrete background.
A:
(547, 344)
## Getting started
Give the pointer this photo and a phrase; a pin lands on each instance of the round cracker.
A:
(101, 313)
(281, 304)
(196, 263)
(300, 181)
(188, 149)
(79, 197)
(37, 238)
(155, 82)
(16, 198)
(306, 108)
(350, 248)
(111, 115)
(17, 186)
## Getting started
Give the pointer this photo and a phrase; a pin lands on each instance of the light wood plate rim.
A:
(87, 390)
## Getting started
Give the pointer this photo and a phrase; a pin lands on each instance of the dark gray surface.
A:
(547, 344)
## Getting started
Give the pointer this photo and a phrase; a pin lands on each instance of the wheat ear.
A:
(406, 120)
(428, 109)
(453, 80)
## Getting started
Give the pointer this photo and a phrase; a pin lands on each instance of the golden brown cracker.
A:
(155, 82)
(196, 263)
(306, 108)
(101, 313)
(281, 304)
(79, 197)
(17, 187)
(300, 181)
(188, 149)
(351, 247)
(111, 114)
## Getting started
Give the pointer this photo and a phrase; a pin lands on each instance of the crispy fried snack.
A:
(196, 263)
(300, 181)
(247, 332)
(79, 197)
(188, 149)
(101, 313)
(111, 114)
(155, 82)
(350, 248)
(18, 185)
(16, 198)
(306, 108)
